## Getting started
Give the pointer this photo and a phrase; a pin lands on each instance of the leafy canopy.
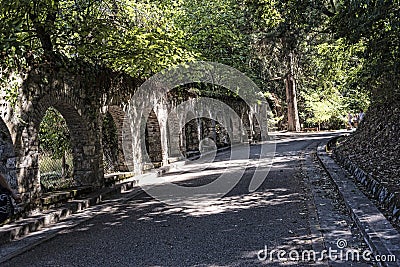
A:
(132, 36)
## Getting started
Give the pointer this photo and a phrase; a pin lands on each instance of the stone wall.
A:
(160, 131)
(78, 94)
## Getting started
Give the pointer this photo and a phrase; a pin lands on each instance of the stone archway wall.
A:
(78, 93)
(83, 93)
(87, 160)
(230, 128)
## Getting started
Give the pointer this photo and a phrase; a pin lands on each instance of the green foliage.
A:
(215, 31)
(131, 36)
(10, 84)
(331, 88)
(339, 52)
(143, 42)
(377, 25)
(54, 135)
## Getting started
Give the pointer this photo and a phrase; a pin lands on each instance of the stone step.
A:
(40, 219)
(51, 199)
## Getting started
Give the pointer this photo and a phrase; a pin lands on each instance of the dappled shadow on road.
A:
(208, 231)
(228, 231)
(225, 232)
(227, 204)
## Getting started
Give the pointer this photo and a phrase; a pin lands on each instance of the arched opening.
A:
(55, 152)
(110, 144)
(86, 167)
(7, 155)
(153, 140)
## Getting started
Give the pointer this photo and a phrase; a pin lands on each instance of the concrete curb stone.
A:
(378, 233)
(390, 200)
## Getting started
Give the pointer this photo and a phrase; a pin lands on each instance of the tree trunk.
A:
(291, 99)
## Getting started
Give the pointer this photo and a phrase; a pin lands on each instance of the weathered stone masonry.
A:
(84, 95)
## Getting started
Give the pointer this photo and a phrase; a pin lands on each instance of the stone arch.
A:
(51, 168)
(86, 148)
(7, 155)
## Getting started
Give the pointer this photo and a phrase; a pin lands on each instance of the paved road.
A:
(226, 232)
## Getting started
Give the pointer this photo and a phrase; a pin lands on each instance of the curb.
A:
(379, 234)
(390, 200)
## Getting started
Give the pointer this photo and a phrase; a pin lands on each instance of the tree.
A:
(216, 31)
(129, 36)
(330, 86)
(278, 43)
(377, 25)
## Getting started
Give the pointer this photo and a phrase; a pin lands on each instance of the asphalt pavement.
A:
(291, 211)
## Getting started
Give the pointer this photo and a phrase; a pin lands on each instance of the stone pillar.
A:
(236, 131)
(118, 116)
(174, 141)
(264, 108)
(200, 129)
(213, 131)
(162, 116)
